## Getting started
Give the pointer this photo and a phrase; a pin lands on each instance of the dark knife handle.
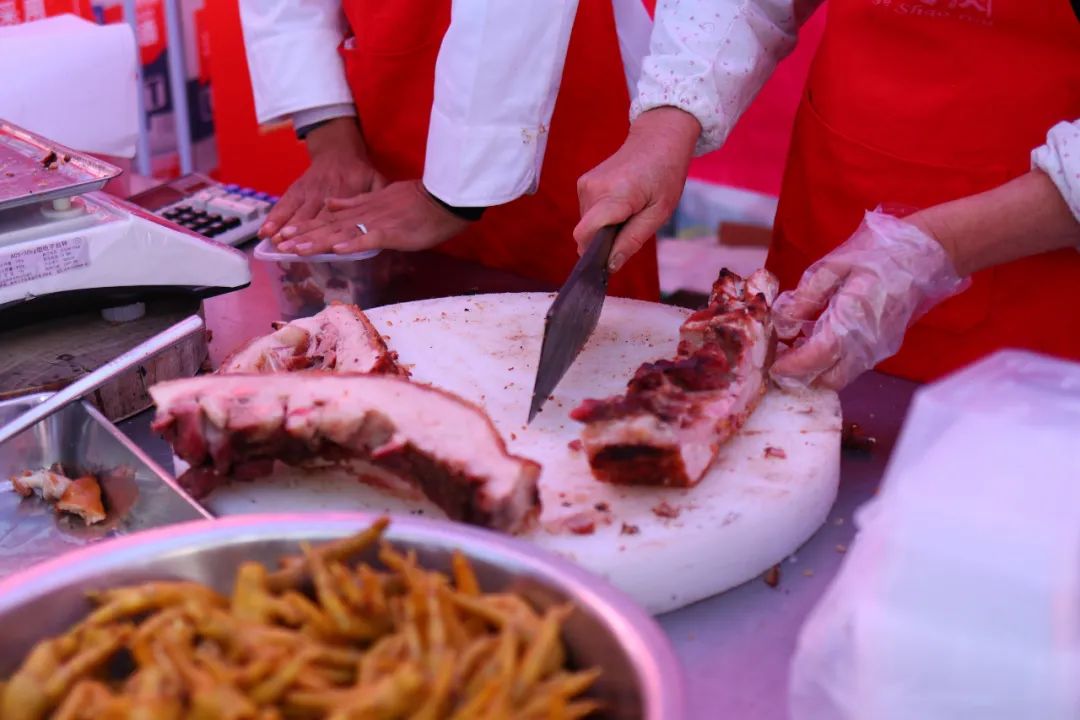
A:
(597, 253)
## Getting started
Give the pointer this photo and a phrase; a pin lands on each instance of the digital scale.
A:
(65, 244)
(228, 214)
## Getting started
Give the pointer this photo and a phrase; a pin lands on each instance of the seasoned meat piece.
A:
(669, 425)
(340, 338)
(386, 428)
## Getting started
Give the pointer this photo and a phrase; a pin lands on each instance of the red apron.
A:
(391, 69)
(917, 102)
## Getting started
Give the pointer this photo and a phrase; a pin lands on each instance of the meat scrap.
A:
(852, 437)
(775, 452)
(379, 427)
(772, 576)
(80, 496)
(340, 339)
(581, 524)
(668, 427)
(628, 529)
(664, 510)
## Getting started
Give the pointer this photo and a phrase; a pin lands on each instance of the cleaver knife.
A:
(573, 316)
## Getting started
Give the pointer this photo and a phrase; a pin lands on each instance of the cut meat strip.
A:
(340, 338)
(668, 427)
(399, 431)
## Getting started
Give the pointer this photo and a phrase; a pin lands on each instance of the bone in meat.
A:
(668, 427)
(428, 438)
(340, 338)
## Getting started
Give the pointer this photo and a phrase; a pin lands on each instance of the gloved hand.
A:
(854, 305)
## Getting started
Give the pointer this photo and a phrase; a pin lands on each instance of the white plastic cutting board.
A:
(752, 509)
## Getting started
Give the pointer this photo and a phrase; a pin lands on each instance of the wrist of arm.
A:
(668, 123)
(671, 128)
(469, 214)
(338, 135)
(1023, 217)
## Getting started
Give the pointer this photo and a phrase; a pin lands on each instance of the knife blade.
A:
(573, 316)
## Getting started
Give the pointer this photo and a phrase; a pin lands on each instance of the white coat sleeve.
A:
(711, 57)
(497, 77)
(292, 54)
(1059, 158)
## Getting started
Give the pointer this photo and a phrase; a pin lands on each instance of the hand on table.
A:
(854, 305)
(339, 168)
(640, 184)
(401, 216)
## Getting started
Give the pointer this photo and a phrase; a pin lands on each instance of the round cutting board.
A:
(768, 492)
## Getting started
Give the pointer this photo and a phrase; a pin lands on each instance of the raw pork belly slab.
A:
(393, 433)
(340, 338)
(668, 427)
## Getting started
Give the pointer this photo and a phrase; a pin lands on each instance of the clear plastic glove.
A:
(854, 305)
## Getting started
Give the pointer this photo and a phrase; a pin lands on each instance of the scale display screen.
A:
(157, 198)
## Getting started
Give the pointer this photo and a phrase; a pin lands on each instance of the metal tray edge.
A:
(102, 172)
(125, 442)
(135, 450)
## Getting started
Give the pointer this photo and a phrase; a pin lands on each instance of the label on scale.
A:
(20, 265)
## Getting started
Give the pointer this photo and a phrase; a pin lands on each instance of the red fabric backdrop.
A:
(753, 157)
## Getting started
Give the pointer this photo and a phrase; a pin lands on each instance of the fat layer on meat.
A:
(340, 339)
(668, 427)
(238, 425)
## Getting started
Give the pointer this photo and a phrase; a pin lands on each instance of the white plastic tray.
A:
(265, 251)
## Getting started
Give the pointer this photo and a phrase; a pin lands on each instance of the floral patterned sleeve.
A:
(710, 58)
(1060, 159)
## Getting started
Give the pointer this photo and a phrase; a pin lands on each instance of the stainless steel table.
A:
(735, 647)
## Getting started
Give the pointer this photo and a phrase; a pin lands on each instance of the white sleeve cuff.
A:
(297, 72)
(306, 118)
(1059, 158)
(690, 93)
(710, 59)
(481, 166)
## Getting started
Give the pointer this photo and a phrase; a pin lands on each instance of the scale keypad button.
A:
(233, 205)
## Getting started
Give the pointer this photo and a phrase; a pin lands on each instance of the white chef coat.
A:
(711, 57)
(496, 80)
(1060, 159)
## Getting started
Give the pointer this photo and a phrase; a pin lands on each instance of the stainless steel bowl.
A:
(641, 676)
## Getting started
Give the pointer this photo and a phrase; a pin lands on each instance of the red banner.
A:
(15, 12)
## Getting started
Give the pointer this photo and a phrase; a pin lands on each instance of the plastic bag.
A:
(960, 597)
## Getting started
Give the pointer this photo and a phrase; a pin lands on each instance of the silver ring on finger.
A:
(362, 228)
